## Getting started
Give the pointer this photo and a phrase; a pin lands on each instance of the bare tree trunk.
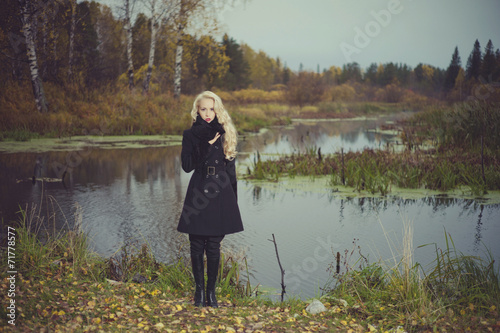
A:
(179, 50)
(72, 39)
(178, 66)
(128, 29)
(154, 29)
(45, 30)
(36, 81)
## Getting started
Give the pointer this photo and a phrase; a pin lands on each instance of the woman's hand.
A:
(214, 139)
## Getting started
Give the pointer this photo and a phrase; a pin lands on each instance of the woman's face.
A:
(206, 109)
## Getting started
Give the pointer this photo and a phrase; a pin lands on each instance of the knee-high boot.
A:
(199, 279)
(212, 272)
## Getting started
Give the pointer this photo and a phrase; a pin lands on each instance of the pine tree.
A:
(237, 76)
(496, 74)
(473, 69)
(452, 71)
(489, 64)
(371, 74)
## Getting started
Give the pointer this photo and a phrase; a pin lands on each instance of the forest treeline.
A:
(79, 47)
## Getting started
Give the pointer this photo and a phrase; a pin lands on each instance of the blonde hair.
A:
(231, 136)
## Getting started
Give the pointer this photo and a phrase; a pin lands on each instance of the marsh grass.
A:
(461, 125)
(377, 171)
(455, 289)
(462, 280)
(46, 251)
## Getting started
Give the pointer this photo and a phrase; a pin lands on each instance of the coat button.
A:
(216, 147)
(216, 161)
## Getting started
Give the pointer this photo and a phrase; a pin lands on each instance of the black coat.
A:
(210, 207)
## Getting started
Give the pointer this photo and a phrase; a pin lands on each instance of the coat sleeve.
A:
(231, 171)
(193, 153)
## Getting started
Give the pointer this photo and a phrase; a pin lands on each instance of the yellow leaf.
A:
(372, 328)
(160, 326)
(61, 313)
(382, 308)
(96, 320)
(91, 304)
(179, 308)
(147, 308)
(290, 319)
(343, 322)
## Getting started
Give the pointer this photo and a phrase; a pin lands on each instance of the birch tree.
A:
(29, 36)
(179, 48)
(72, 30)
(128, 30)
(186, 10)
(160, 10)
(154, 29)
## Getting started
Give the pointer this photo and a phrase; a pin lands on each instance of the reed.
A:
(378, 171)
(454, 288)
(45, 251)
(461, 125)
(461, 280)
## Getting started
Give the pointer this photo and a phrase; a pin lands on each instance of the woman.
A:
(210, 209)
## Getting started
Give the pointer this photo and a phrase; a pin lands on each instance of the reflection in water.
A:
(305, 221)
(478, 229)
(133, 196)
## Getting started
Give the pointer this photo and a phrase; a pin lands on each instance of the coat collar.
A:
(207, 131)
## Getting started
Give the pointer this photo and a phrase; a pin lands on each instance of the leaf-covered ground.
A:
(62, 303)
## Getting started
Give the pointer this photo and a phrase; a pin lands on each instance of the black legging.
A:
(208, 244)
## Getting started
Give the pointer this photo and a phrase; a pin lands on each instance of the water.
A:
(132, 196)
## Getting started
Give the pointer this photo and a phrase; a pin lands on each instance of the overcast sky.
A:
(335, 32)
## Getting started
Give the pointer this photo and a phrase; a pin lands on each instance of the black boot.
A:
(212, 272)
(199, 279)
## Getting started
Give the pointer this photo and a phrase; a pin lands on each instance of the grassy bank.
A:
(61, 285)
(118, 111)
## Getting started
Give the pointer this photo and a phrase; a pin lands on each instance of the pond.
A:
(135, 195)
